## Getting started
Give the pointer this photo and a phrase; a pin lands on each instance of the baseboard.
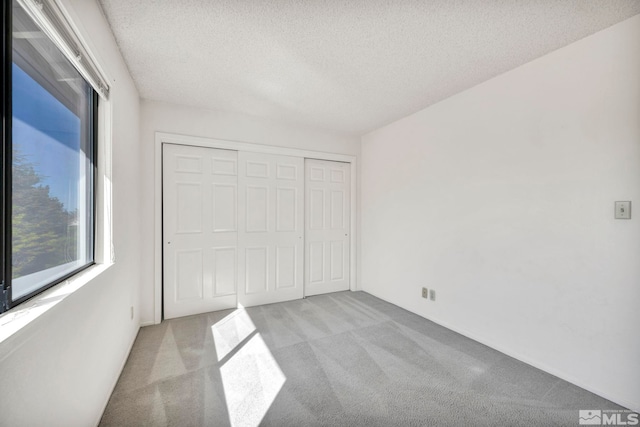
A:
(147, 323)
(634, 406)
(113, 386)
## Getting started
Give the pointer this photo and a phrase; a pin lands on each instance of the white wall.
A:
(501, 199)
(178, 119)
(61, 368)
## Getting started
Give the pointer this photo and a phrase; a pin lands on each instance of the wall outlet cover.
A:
(432, 295)
(425, 293)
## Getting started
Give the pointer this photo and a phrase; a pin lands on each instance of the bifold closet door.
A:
(271, 228)
(199, 229)
(327, 218)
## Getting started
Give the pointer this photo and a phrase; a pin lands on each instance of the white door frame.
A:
(170, 138)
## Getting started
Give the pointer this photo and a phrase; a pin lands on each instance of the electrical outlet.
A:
(425, 293)
(131, 312)
(432, 295)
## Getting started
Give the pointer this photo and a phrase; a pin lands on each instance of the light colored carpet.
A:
(343, 359)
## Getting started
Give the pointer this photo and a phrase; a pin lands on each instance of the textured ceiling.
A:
(346, 65)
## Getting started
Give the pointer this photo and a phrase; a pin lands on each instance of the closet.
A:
(242, 228)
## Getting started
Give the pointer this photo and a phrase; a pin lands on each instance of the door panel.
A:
(286, 203)
(256, 205)
(336, 255)
(270, 228)
(199, 229)
(337, 210)
(315, 265)
(327, 217)
(287, 172)
(285, 267)
(225, 215)
(256, 278)
(189, 207)
(189, 275)
(222, 166)
(224, 265)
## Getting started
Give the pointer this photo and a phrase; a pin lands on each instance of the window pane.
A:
(52, 175)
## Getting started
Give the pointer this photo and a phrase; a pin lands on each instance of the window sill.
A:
(33, 282)
(22, 315)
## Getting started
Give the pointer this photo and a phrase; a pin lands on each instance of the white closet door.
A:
(199, 229)
(271, 227)
(327, 218)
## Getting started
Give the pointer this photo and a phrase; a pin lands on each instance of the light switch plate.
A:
(623, 210)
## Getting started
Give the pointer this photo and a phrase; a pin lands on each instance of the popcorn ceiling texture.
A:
(349, 66)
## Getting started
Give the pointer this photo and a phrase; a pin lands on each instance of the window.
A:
(49, 118)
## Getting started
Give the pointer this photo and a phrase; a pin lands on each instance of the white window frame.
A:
(18, 317)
